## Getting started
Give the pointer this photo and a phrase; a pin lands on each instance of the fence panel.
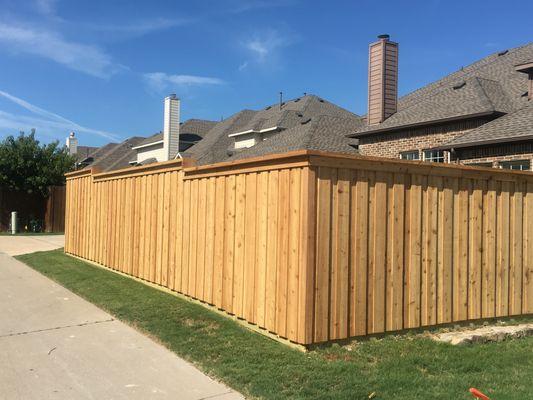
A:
(313, 246)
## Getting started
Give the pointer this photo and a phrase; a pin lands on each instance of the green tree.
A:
(28, 166)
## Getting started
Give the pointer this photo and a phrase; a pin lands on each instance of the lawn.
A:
(407, 367)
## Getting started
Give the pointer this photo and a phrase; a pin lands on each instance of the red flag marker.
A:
(477, 394)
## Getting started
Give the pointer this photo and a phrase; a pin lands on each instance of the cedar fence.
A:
(316, 246)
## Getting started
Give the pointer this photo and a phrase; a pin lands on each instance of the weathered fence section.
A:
(54, 215)
(313, 246)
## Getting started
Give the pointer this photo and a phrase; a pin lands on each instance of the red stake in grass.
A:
(478, 395)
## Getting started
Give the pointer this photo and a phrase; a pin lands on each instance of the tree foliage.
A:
(28, 166)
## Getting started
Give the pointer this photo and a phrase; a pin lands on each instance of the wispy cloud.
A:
(141, 27)
(81, 57)
(264, 46)
(50, 123)
(160, 81)
(46, 7)
(240, 6)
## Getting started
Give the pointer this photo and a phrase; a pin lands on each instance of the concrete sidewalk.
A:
(22, 244)
(55, 345)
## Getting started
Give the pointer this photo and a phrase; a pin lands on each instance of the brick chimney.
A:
(171, 127)
(72, 144)
(382, 80)
(527, 68)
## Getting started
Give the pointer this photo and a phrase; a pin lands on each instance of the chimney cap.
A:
(384, 36)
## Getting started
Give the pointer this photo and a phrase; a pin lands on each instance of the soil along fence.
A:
(315, 246)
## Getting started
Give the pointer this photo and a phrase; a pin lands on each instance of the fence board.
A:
(316, 247)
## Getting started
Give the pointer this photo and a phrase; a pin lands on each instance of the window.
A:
(521, 165)
(434, 155)
(480, 164)
(410, 155)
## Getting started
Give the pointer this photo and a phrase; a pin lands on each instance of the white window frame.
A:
(433, 158)
(409, 152)
(503, 164)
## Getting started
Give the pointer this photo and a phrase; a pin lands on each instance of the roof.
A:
(514, 126)
(197, 127)
(84, 152)
(489, 86)
(115, 156)
(299, 118)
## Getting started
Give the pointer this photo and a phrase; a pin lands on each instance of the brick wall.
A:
(392, 144)
(494, 153)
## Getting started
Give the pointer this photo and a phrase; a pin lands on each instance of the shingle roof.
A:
(197, 127)
(115, 156)
(492, 85)
(217, 146)
(84, 152)
(517, 125)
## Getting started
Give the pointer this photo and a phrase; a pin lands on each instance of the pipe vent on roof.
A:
(459, 85)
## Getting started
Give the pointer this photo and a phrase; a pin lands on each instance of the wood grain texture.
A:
(318, 248)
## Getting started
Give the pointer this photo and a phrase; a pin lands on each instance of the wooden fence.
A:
(314, 246)
(54, 215)
(50, 210)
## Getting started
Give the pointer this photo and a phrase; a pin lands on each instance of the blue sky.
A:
(102, 68)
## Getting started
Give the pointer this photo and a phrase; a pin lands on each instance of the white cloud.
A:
(50, 124)
(44, 43)
(160, 81)
(140, 28)
(249, 5)
(46, 7)
(264, 47)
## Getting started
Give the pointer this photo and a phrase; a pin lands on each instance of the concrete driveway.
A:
(16, 245)
(55, 345)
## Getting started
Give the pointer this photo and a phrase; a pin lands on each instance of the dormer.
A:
(527, 68)
(251, 137)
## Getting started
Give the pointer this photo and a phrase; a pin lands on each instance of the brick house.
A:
(481, 114)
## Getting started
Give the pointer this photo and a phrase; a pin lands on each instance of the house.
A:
(480, 115)
(307, 122)
(138, 150)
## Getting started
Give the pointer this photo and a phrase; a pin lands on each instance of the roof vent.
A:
(297, 100)
(305, 121)
(502, 53)
(300, 115)
(321, 100)
(459, 85)
(268, 108)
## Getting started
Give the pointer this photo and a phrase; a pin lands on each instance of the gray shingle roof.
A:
(84, 152)
(192, 126)
(517, 125)
(115, 156)
(217, 146)
(492, 85)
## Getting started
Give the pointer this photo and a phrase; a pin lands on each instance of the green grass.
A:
(407, 367)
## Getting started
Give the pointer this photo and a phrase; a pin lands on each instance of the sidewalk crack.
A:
(57, 328)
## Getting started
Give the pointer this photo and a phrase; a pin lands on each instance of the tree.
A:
(27, 166)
